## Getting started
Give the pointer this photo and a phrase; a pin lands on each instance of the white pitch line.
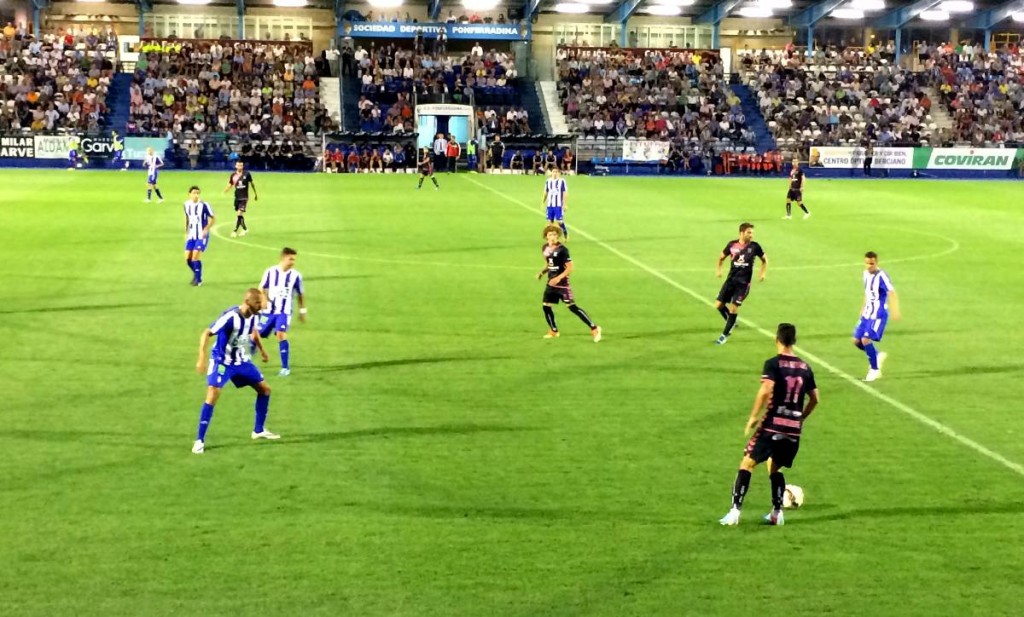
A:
(906, 409)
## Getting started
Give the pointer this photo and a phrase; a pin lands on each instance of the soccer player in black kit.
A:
(742, 252)
(241, 181)
(796, 191)
(785, 382)
(426, 167)
(558, 266)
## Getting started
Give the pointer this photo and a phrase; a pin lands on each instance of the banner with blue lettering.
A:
(135, 147)
(406, 30)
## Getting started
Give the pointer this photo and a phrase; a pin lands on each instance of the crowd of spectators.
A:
(509, 121)
(651, 94)
(810, 101)
(392, 77)
(982, 91)
(239, 88)
(58, 81)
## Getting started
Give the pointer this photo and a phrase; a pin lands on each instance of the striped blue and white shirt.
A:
(198, 214)
(233, 334)
(876, 293)
(281, 287)
(555, 189)
(153, 163)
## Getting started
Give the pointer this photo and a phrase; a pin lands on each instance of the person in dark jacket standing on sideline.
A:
(869, 155)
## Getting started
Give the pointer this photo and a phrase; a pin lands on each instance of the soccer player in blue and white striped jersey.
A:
(198, 221)
(152, 163)
(281, 284)
(233, 333)
(880, 302)
(555, 192)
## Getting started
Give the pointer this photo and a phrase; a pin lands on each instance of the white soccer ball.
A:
(793, 497)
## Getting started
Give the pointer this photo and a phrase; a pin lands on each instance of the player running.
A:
(426, 167)
(785, 382)
(558, 266)
(742, 252)
(879, 296)
(555, 192)
(233, 332)
(241, 180)
(280, 284)
(198, 221)
(796, 191)
(152, 163)
(118, 146)
(75, 160)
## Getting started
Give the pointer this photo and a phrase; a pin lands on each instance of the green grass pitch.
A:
(440, 459)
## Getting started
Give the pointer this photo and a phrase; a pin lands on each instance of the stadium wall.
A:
(125, 17)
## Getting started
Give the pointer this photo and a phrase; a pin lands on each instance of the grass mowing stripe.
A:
(902, 407)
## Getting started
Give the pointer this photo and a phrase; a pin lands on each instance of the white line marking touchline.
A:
(906, 409)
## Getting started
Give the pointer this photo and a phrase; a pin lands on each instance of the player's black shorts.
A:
(426, 170)
(780, 448)
(733, 292)
(554, 295)
(796, 195)
(241, 203)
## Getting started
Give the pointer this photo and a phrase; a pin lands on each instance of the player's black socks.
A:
(239, 223)
(420, 185)
(549, 315)
(789, 209)
(724, 311)
(778, 489)
(730, 323)
(582, 315)
(158, 195)
(434, 180)
(739, 489)
(804, 208)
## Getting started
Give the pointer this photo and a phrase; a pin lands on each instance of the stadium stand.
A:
(839, 98)
(981, 91)
(390, 75)
(246, 89)
(651, 94)
(57, 82)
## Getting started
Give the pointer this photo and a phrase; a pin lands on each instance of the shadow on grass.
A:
(962, 371)
(358, 366)
(811, 517)
(386, 432)
(81, 308)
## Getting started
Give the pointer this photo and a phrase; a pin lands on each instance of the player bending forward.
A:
(558, 266)
(233, 332)
(785, 382)
(879, 296)
(280, 284)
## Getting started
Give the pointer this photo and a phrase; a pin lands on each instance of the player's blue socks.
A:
(872, 353)
(204, 421)
(285, 349)
(149, 194)
(198, 265)
(158, 195)
(565, 230)
(262, 408)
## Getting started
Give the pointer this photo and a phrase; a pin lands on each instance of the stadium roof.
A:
(887, 14)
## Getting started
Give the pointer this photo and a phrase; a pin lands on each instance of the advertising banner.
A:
(52, 146)
(853, 157)
(644, 150)
(18, 147)
(406, 30)
(135, 147)
(444, 109)
(975, 159)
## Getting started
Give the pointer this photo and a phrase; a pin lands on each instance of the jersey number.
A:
(794, 385)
